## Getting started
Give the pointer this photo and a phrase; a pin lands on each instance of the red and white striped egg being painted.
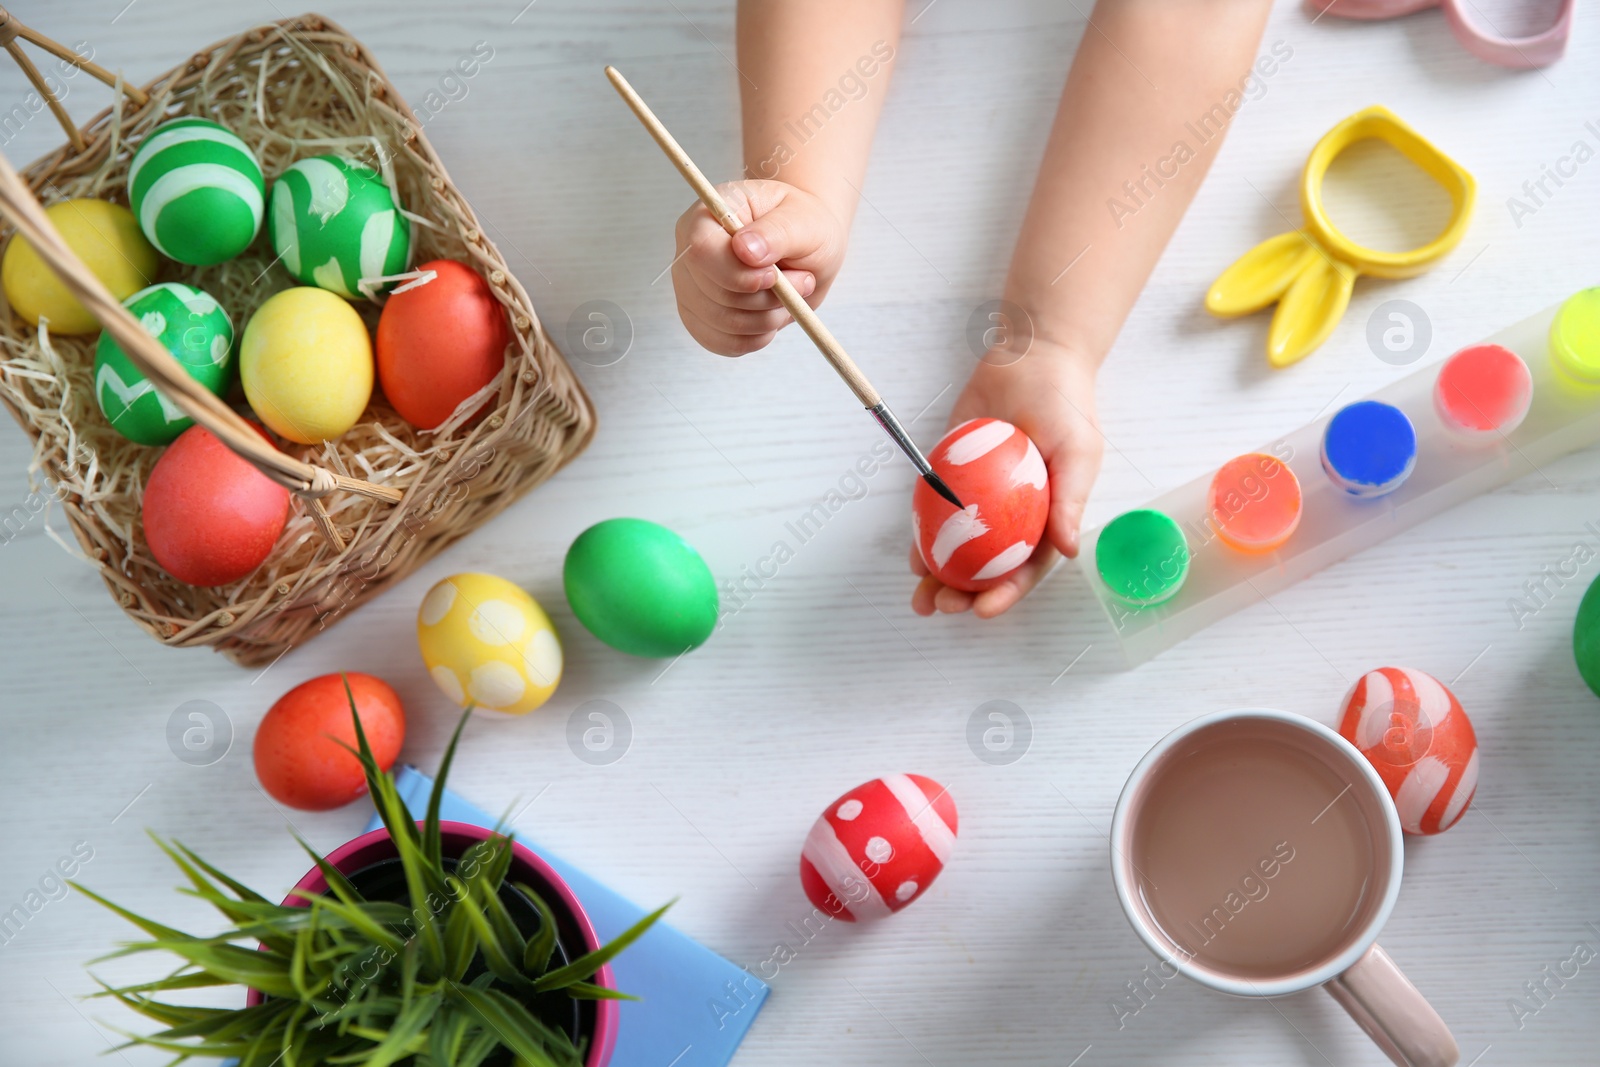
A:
(878, 847)
(998, 473)
(1415, 734)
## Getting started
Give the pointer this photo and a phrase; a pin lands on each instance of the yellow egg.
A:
(106, 237)
(487, 642)
(306, 364)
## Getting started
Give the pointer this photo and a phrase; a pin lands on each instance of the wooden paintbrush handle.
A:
(803, 313)
(826, 343)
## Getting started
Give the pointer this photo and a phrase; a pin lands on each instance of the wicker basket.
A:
(370, 506)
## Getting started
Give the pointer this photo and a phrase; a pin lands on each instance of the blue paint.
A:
(1369, 448)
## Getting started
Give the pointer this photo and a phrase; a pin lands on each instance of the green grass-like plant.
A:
(353, 981)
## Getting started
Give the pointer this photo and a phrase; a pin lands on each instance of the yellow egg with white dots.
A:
(486, 642)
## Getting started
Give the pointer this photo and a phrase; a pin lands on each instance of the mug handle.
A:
(1384, 1003)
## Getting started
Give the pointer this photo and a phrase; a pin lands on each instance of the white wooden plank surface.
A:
(824, 677)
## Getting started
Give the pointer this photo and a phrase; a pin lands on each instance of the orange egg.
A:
(439, 343)
(210, 517)
(297, 753)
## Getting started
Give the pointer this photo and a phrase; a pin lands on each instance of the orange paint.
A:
(1254, 503)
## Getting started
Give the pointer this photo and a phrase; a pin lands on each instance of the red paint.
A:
(1483, 389)
(1006, 491)
(297, 752)
(210, 517)
(439, 343)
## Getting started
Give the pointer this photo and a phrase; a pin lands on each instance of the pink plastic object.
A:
(1519, 53)
(457, 837)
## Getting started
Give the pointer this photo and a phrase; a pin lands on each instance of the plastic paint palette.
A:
(1254, 503)
(1369, 448)
(1483, 391)
(1143, 557)
(1563, 359)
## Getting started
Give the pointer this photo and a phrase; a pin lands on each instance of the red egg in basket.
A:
(210, 517)
(440, 341)
(1415, 734)
(998, 473)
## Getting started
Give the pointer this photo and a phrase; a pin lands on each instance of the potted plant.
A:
(431, 944)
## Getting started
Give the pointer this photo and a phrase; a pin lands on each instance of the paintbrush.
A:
(830, 348)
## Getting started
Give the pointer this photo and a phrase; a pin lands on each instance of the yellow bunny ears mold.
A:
(1310, 272)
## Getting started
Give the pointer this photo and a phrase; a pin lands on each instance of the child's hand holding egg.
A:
(1047, 393)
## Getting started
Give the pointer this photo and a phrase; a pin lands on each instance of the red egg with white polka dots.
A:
(998, 473)
(1415, 734)
(878, 847)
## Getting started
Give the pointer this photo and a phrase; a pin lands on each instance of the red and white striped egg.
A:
(998, 473)
(878, 847)
(1415, 734)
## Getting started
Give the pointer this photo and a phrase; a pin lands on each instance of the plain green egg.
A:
(640, 588)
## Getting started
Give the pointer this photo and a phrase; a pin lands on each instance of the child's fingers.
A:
(743, 263)
(932, 595)
(1003, 597)
(703, 243)
(720, 269)
(951, 601)
(719, 341)
(1073, 468)
(922, 598)
(741, 323)
(804, 282)
(764, 300)
(789, 229)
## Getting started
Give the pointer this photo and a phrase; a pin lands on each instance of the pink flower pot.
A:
(576, 932)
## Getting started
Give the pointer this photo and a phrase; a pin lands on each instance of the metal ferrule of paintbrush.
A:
(898, 435)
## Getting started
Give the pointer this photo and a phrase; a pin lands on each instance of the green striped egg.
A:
(191, 325)
(197, 191)
(334, 224)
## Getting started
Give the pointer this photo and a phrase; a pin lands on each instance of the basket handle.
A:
(308, 481)
(11, 28)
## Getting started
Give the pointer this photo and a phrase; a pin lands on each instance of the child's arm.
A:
(812, 78)
(1146, 74)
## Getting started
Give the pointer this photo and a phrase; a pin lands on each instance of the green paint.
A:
(1586, 637)
(1142, 557)
(640, 588)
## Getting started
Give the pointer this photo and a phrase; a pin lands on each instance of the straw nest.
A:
(290, 89)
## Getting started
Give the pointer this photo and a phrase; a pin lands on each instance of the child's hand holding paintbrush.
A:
(1144, 69)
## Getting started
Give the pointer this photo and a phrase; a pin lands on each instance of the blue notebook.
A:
(694, 1007)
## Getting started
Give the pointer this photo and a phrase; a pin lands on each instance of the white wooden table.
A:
(823, 677)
